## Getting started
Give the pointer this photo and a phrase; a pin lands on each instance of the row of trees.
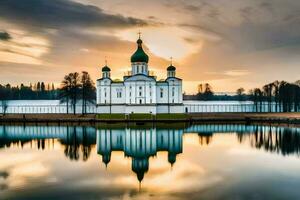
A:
(205, 93)
(279, 96)
(39, 90)
(77, 87)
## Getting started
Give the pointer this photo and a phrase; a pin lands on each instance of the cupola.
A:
(139, 55)
(105, 71)
(171, 70)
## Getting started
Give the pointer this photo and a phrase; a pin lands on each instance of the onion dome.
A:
(171, 68)
(106, 159)
(105, 69)
(140, 167)
(139, 55)
(171, 158)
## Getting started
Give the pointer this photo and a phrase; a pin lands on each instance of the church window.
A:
(140, 101)
(161, 93)
(140, 92)
(173, 91)
(119, 93)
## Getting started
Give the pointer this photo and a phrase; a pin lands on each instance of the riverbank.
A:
(287, 118)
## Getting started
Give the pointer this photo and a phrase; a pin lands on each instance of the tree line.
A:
(39, 90)
(277, 96)
(74, 87)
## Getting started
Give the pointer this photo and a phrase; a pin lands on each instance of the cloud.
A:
(61, 13)
(217, 36)
(237, 72)
(5, 36)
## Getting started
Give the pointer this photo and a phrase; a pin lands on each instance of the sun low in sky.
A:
(229, 44)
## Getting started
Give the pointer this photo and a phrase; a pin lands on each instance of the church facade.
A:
(139, 91)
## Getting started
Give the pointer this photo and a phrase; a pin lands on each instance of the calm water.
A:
(148, 162)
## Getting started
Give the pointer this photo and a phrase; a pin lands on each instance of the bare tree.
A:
(70, 89)
(240, 93)
(87, 91)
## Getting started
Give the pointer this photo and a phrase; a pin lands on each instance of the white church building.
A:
(139, 92)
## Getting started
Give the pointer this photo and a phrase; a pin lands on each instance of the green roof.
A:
(105, 69)
(139, 55)
(171, 68)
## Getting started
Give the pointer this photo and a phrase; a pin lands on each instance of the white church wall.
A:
(162, 93)
(140, 90)
(175, 90)
(117, 93)
(104, 89)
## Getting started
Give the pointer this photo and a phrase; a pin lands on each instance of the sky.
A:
(227, 43)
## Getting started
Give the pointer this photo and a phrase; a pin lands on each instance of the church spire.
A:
(139, 33)
(139, 55)
(105, 70)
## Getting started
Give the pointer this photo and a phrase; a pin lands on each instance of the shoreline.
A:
(286, 118)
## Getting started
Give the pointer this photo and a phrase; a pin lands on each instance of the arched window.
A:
(140, 101)
(161, 93)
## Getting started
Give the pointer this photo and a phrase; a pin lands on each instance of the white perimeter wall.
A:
(54, 106)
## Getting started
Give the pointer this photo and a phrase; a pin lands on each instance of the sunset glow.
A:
(229, 45)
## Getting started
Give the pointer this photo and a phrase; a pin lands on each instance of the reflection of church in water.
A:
(139, 145)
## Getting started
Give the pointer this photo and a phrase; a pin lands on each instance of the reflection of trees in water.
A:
(78, 141)
(205, 138)
(40, 144)
(77, 144)
(7, 142)
(277, 139)
(281, 140)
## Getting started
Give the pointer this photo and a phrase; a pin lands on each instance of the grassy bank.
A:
(140, 116)
(287, 118)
